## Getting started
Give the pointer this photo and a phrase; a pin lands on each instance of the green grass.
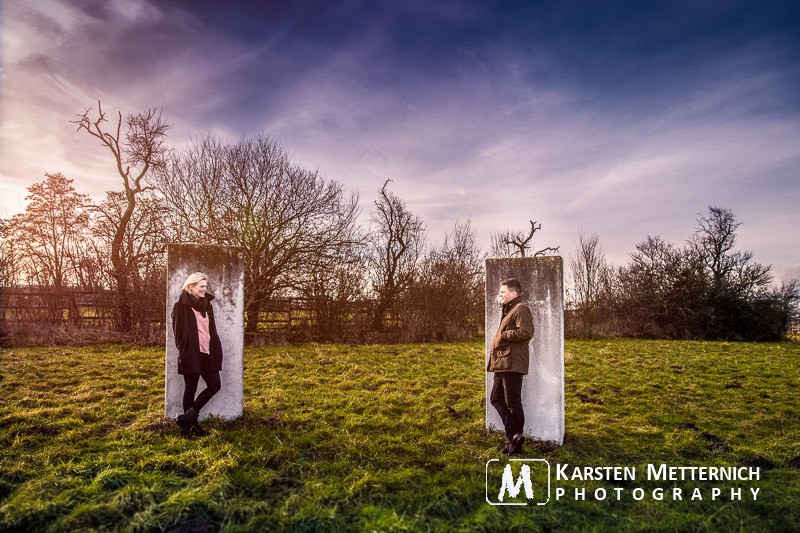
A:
(389, 438)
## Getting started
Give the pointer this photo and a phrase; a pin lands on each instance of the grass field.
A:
(391, 438)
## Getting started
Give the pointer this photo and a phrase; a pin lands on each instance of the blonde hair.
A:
(194, 279)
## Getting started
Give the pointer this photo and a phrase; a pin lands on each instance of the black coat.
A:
(184, 325)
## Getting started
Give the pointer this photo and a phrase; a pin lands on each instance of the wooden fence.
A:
(27, 305)
(97, 309)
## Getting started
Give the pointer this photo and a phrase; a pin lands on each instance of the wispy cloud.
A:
(123, 54)
(458, 149)
(500, 126)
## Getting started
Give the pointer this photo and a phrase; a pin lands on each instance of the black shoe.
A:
(197, 430)
(504, 451)
(186, 420)
(515, 446)
(185, 428)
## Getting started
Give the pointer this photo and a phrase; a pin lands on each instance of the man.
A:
(508, 359)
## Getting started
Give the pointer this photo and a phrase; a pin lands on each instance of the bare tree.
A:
(715, 238)
(588, 267)
(704, 290)
(397, 241)
(787, 298)
(509, 243)
(446, 298)
(334, 289)
(660, 289)
(10, 261)
(735, 283)
(138, 149)
(50, 231)
(730, 271)
(144, 248)
(289, 220)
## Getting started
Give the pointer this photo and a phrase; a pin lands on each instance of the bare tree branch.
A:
(144, 149)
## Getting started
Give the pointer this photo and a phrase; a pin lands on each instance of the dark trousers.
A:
(506, 398)
(213, 386)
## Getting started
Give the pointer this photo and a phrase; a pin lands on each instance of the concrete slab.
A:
(224, 267)
(542, 280)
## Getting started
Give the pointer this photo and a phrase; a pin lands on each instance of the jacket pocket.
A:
(501, 359)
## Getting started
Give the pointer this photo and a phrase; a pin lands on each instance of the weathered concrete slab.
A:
(542, 281)
(224, 267)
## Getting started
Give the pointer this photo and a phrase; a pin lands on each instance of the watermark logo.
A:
(517, 482)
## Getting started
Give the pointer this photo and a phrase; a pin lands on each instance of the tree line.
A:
(705, 289)
(300, 234)
(378, 280)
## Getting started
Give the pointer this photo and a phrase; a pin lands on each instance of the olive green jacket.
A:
(509, 349)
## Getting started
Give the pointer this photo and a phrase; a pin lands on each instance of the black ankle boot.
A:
(186, 420)
(198, 430)
(515, 446)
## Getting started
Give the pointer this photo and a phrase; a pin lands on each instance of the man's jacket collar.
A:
(508, 306)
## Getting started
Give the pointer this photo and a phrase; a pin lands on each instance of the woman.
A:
(199, 350)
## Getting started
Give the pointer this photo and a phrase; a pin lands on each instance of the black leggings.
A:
(213, 385)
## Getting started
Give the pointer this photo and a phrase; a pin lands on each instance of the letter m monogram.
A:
(502, 474)
(523, 481)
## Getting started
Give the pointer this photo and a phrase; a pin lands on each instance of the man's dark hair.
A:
(513, 284)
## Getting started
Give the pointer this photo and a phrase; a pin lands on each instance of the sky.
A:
(617, 118)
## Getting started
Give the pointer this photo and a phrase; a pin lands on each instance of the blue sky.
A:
(619, 118)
